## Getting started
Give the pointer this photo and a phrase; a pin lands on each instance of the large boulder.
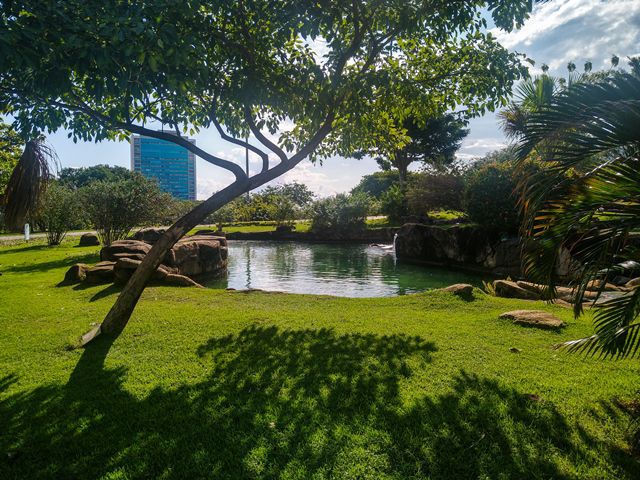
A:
(124, 268)
(462, 290)
(77, 273)
(148, 235)
(101, 272)
(135, 249)
(596, 285)
(509, 289)
(633, 283)
(198, 255)
(566, 294)
(89, 240)
(469, 246)
(457, 245)
(190, 257)
(533, 318)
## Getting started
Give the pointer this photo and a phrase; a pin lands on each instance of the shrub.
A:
(393, 203)
(115, 208)
(340, 213)
(489, 197)
(377, 183)
(435, 191)
(59, 212)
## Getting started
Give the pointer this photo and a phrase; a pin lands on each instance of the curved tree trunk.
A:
(121, 311)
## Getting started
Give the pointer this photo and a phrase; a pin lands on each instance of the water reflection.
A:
(341, 270)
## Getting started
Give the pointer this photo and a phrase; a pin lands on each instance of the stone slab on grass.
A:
(534, 318)
(462, 290)
(509, 289)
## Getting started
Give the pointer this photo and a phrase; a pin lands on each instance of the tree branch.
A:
(261, 138)
(177, 139)
(242, 143)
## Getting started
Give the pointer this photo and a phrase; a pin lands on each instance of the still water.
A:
(341, 270)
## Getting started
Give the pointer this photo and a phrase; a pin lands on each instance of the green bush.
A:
(393, 203)
(489, 197)
(59, 212)
(115, 208)
(282, 204)
(340, 213)
(377, 183)
(435, 191)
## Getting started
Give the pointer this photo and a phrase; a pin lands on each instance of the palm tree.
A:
(28, 182)
(587, 198)
(532, 95)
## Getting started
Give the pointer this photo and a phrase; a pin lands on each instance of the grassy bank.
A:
(216, 384)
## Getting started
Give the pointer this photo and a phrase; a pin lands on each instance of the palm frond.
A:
(585, 199)
(28, 182)
(617, 329)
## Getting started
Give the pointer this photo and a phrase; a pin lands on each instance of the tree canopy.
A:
(433, 142)
(10, 149)
(103, 70)
(80, 177)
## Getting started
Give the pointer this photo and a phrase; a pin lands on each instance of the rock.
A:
(181, 281)
(596, 285)
(125, 267)
(458, 245)
(532, 287)
(124, 249)
(284, 228)
(633, 283)
(198, 255)
(211, 233)
(515, 350)
(89, 240)
(101, 273)
(77, 273)
(568, 294)
(469, 246)
(132, 256)
(462, 290)
(620, 280)
(562, 303)
(534, 318)
(508, 289)
(191, 256)
(148, 235)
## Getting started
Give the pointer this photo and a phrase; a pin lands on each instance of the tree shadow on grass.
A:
(108, 290)
(283, 404)
(52, 264)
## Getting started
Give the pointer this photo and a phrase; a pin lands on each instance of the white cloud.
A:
(560, 31)
(484, 144)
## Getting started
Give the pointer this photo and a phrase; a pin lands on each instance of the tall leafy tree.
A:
(432, 142)
(345, 73)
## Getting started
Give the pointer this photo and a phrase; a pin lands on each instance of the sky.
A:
(558, 31)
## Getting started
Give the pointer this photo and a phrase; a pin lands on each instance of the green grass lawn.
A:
(230, 385)
(245, 227)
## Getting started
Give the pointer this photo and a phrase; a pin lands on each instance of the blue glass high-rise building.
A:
(172, 165)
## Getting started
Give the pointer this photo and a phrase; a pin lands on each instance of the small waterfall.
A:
(395, 238)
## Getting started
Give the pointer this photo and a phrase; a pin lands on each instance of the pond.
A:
(341, 270)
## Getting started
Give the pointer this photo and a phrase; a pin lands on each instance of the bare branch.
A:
(242, 143)
(261, 138)
(177, 139)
